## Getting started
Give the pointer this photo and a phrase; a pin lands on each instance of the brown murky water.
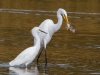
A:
(68, 53)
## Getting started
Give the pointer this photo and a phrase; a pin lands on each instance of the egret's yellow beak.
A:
(66, 18)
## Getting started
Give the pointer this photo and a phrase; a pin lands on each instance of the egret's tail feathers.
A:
(12, 64)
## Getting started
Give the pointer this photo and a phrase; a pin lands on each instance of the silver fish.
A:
(70, 27)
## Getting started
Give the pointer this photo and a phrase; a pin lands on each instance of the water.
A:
(68, 53)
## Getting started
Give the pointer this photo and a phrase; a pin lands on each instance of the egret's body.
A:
(29, 54)
(44, 39)
(49, 27)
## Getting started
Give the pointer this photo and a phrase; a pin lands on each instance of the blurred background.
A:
(68, 53)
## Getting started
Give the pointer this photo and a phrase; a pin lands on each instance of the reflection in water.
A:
(24, 71)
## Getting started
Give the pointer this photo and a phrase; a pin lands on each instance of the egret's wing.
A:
(22, 57)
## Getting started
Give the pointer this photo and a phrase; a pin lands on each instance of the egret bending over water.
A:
(49, 27)
(28, 55)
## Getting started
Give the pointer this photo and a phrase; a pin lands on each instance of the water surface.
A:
(68, 53)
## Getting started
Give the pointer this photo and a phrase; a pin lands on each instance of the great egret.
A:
(49, 27)
(28, 55)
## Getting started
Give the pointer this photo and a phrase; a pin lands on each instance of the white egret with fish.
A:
(49, 27)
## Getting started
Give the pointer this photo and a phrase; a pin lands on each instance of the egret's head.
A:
(63, 13)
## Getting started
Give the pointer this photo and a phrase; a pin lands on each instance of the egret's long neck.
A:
(59, 23)
(37, 41)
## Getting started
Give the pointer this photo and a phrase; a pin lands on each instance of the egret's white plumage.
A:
(28, 55)
(49, 27)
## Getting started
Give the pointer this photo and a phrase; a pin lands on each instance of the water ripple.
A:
(46, 13)
(21, 11)
(95, 73)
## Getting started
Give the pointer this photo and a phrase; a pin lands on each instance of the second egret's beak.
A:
(42, 31)
(66, 18)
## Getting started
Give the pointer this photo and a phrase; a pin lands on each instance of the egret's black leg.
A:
(39, 55)
(45, 57)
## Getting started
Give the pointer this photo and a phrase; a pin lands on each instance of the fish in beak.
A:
(69, 26)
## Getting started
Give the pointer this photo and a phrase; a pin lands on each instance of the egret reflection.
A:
(23, 71)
